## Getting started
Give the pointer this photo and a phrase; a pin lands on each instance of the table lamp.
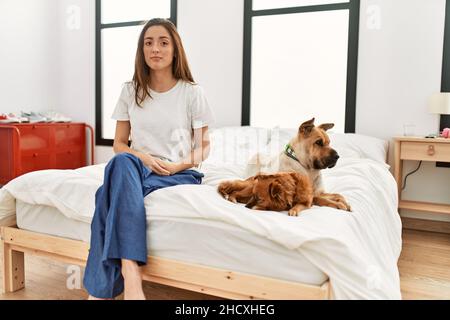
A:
(440, 103)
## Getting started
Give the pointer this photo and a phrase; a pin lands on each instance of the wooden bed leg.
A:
(13, 268)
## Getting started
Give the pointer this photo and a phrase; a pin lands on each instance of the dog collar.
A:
(290, 152)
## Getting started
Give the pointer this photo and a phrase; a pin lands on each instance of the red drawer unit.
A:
(26, 147)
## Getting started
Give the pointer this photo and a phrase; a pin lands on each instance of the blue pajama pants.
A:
(118, 229)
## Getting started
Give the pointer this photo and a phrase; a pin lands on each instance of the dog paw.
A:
(342, 206)
(293, 213)
(232, 199)
(224, 188)
(345, 206)
(342, 203)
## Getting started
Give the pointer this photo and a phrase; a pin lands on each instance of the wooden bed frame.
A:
(15, 242)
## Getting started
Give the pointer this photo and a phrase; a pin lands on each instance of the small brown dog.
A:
(290, 191)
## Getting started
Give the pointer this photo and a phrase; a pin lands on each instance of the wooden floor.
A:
(424, 269)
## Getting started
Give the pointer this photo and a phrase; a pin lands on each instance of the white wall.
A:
(399, 66)
(47, 59)
(29, 48)
(77, 59)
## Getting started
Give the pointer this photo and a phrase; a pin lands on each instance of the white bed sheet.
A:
(213, 244)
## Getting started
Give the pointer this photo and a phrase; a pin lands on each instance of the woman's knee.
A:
(124, 159)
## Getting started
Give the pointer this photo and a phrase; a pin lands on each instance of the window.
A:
(445, 81)
(300, 60)
(118, 24)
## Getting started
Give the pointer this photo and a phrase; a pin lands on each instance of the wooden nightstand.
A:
(415, 148)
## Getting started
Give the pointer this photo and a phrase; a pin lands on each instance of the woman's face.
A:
(158, 48)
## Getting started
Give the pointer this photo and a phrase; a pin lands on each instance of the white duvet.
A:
(357, 250)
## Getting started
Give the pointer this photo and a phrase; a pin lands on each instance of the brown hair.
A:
(180, 66)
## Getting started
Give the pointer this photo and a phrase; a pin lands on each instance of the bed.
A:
(201, 242)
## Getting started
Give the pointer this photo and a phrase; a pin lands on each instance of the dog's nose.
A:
(332, 159)
(334, 155)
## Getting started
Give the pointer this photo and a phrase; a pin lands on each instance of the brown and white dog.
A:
(307, 153)
(290, 191)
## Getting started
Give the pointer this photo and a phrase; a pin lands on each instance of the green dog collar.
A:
(290, 152)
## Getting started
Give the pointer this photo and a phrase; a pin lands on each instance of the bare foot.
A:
(133, 289)
(95, 298)
(132, 280)
(134, 294)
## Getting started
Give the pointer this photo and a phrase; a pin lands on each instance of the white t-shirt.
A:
(163, 126)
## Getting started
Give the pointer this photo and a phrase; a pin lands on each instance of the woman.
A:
(167, 116)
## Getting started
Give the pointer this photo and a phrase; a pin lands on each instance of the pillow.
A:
(353, 145)
(348, 145)
(235, 145)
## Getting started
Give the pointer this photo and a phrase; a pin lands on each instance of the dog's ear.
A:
(306, 127)
(275, 189)
(326, 126)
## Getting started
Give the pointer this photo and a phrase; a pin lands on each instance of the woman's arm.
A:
(199, 154)
(123, 129)
(201, 149)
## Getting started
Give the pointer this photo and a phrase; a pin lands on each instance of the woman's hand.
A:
(171, 167)
(154, 164)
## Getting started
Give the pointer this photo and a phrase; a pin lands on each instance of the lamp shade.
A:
(439, 103)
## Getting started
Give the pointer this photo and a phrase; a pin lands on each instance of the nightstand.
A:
(415, 148)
